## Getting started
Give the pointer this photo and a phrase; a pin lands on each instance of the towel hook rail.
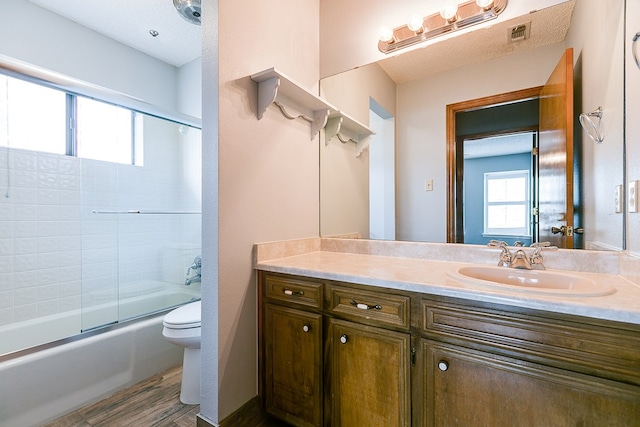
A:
(592, 129)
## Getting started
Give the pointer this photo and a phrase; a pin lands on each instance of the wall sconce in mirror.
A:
(593, 129)
(452, 17)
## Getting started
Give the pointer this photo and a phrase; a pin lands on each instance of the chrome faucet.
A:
(520, 259)
(196, 267)
(505, 255)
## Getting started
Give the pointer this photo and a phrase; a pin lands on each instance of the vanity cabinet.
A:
(291, 351)
(486, 366)
(369, 351)
(370, 376)
(339, 354)
(345, 362)
(465, 387)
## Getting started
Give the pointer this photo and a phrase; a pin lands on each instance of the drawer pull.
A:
(306, 328)
(443, 365)
(344, 338)
(365, 306)
(293, 293)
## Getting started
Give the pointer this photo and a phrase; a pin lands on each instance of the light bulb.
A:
(386, 34)
(449, 10)
(485, 4)
(415, 23)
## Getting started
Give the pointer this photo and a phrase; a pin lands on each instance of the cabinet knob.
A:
(290, 292)
(306, 328)
(344, 338)
(443, 365)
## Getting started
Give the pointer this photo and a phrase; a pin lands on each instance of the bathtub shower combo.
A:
(93, 254)
(90, 243)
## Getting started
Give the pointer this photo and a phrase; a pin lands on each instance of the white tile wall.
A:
(56, 254)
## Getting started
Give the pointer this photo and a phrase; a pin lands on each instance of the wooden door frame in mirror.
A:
(455, 229)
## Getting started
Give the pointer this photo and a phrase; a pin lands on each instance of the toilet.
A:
(182, 328)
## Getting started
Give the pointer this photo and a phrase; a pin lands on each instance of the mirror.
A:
(398, 188)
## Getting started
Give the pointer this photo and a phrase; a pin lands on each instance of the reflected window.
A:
(506, 203)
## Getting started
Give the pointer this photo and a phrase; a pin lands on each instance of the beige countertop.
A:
(437, 277)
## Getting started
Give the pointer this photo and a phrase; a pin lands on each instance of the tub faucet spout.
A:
(196, 267)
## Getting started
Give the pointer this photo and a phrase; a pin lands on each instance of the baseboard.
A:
(248, 415)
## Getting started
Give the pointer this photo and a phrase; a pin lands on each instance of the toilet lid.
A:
(187, 316)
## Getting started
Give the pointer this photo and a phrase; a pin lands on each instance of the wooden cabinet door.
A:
(370, 376)
(464, 387)
(293, 365)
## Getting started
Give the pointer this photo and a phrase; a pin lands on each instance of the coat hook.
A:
(592, 129)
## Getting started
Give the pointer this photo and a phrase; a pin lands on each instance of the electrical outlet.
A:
(632, 200)
(428, 185)
(617, 199)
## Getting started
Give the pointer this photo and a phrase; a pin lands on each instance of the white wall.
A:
(597, 55)
(633, 123)
(266, 182)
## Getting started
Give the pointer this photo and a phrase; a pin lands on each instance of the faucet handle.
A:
(505, 255)
(497, 244)
(543, 245)
(536, 257)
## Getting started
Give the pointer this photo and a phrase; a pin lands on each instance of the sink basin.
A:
(531, 281)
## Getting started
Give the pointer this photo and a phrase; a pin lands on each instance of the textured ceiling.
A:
(548, 26)
(129, 22)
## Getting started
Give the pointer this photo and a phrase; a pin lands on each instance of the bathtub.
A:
(42, 385)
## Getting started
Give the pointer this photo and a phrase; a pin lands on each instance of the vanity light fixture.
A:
(452, 17)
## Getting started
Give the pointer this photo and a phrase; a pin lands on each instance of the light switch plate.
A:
(428, 185)
(632, 200)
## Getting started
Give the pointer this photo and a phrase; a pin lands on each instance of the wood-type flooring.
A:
(153, 402)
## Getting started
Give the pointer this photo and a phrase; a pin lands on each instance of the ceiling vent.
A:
(519, 32)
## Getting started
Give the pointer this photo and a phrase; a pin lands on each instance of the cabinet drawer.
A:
(303, 292)
(607, 349)
(370, 307)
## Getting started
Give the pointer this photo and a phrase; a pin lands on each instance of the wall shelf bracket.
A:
(293, 100)
(347, 129)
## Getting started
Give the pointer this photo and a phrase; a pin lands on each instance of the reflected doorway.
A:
(480, 120)
(382, 205)
(499, 189)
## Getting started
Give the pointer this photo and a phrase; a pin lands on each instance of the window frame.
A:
(70, 147)
(524, 231)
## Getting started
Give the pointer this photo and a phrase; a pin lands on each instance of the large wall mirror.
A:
(401, 187)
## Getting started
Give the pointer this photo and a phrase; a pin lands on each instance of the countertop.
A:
(435, 277)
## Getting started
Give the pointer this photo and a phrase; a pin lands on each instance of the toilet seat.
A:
(185, 317)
